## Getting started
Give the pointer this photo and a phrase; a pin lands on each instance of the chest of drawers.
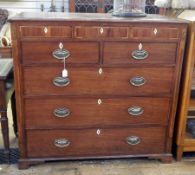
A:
(120, 97)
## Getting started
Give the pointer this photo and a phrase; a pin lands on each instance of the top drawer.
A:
(95, 32)
(46, 31)
(152, 33)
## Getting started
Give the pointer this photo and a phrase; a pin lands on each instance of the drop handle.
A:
(61, 143)
(61, 81)
(137, 81)
(135, 111)
(140, 54)
(61, 54)
(61, 112)
(133, 140)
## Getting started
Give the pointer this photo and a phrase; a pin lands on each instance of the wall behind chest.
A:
(32, 5)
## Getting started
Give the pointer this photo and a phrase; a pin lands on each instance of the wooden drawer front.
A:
(127, 53)
(101, 32)
(46, 31)
(149, 32)
(78, 112)
(94, 142)
(88, 81)
(5, 52)
(42, 52)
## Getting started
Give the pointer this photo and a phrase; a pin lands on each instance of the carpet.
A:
(14, 156)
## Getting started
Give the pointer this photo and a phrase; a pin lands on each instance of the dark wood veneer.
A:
(89, 32)
(100, 67)
(81, 52)
(5, 52)
(148, 32)
(88, 143)
(112, 112)
(46, 31)
(121, 52)
(87, 81)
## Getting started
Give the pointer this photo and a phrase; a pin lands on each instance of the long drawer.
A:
(94, 81)
(95, 142)
(134, 52)
(85, 112)
(54, 52)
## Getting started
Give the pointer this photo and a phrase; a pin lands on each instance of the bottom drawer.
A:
(95, 142)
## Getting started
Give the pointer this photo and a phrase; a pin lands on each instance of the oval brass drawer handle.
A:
(140, 54)
(61, 143)
(61, 112)
(135, 110)
(137, 81)
(133, 140)
(61, 54)
(61, 81)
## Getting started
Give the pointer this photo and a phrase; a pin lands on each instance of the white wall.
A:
(31, 5)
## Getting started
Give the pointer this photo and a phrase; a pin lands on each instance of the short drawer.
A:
(95, 142)
(94, 81)
(86, 112)
(134, 52)
(155, 32)
(97, 32)
(49, 52)
(46, 31)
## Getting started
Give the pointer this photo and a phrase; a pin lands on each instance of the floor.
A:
(112, 167)
(102, 167)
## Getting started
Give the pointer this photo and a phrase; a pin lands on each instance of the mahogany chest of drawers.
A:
(120, 97)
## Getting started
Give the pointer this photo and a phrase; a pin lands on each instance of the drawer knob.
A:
(101, 30)
(61, 112)
(140, 54)
(137, 81)
(61, 143)
(100, 71)
(155, 31)
(61, 45)
(61, 81)
(133, 140)
(45, 30)
(135, 111)
(99, 101)
(98, 132)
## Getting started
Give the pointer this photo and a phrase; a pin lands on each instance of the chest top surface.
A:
(95, 17)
